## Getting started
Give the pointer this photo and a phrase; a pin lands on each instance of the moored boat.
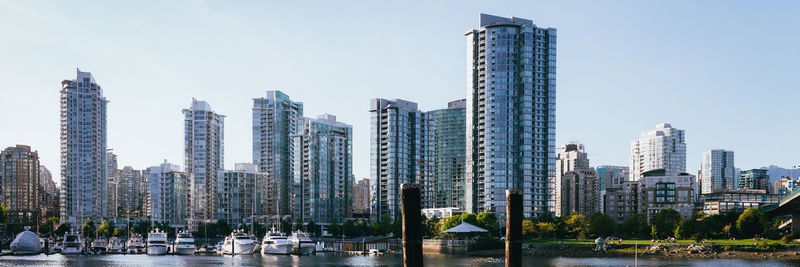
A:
(157, 242)
(302, 244)
(26, 243)
(276, 243)
(99, 246)
(238, 242)
(184, 244)
(114, 245)
(72, 244)
(135, 245)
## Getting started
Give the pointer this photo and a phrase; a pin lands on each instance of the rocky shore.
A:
(666, 251)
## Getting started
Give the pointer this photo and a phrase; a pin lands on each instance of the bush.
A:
(770, 246)
(787, 239)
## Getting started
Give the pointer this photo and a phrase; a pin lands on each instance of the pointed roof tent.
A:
(465, 228)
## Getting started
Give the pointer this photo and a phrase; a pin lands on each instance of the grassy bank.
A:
(719, 242)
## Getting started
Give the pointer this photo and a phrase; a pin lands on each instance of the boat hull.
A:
(71, 250)
(185, 250)
(243, 249)
(157, 250)
(304, 249)
(279, 249)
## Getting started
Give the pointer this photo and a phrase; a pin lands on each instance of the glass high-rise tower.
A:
(204, 158)
(511, 114)
(83, 150)
(447, 146)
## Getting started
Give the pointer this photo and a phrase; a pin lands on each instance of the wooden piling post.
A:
(412, 229)
(513, 228)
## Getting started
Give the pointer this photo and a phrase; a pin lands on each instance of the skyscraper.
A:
(717, 171)
(511, 113)
(448, 147)
(204, 158)
(130, 197)
(323, 169)
(83, 149)
(48, 193)
(361, 196)
(572, 158)
(398, 153)
(169, 193)
(274, 121)
(19, 177)
(661, 148)
(112, 185)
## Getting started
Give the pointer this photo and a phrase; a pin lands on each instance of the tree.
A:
(601, 225)
(349, 228)
(666, 221)
(62, 229)
(3, 213)
(429, 226)
(726, 230)
(334, 228)
(48, 226)
(362, 229)
(488, 221)
(654, 231)
(286, 226)
(118, 232)
(636, 225)
(312, 228)
(105, 230)
(546, 228)
(88, 228)
(528, 228)
(575, 226)
(752, 222)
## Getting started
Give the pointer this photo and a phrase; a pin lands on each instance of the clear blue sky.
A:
(725, 71)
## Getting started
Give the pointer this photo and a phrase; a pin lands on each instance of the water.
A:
(342, 260)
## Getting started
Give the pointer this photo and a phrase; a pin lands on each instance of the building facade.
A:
(658, 192)
(83, 150)
(112, 185)
(238, 195)
(48, 194)
(661, 148)
(620, 201)
(398, 154)
(19, 180)
(717, 171)
(511, 120)
(572, 158)
(323, 170)
(130, 192)
(754, 179)
(736, 201)
(448, 146)
(785, 185)
(274, 122)
(168, 194)
(361, 197)
(580, 193)
(203, 157)
(612, 175)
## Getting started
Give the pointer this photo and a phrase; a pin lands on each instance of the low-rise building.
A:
(658, 192)
(737, 201)
(754, 179)
(621, 200)
(441, 213)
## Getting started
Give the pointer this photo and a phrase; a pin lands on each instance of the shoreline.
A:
(643, 251)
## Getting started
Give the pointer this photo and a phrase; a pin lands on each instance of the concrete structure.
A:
(48, 194)
(789, 205)
(511, 114)
(131, 192)
(448, 146)
(19, 177)
(441, 213)
(736, 201)
(580, 193)
(361, 196)
(661, 148)
(398, 154)
(239, 193)
(754, 179)
(83, 150)
(203, 157)
(658, 192)
(168, 194)
(717, 171)
(274, 122)
(572, 158)
(112, 186)
(612, 175)
(322, 170)
(621, 200)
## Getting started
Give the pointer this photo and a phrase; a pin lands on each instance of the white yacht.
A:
(157, 242)
(239, 242)
(114, 245)
(276, 243)
(25, 243)
(184, 244)
(73, 244)
(99, 246)
(302, 244)
(135, 245)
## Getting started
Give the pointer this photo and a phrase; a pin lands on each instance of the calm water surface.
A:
(341, 260)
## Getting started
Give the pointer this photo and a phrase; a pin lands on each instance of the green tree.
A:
(286, 226)
(334, 228)
(88, 228)
(679, 233)
(654, 231)
(528, 228)
(3, 213)
(601, 225)
(362, 229)
(348, 228)
(118, 232)
(62, 229)
(312, 228)
(666, 221)
(105, 230)
(546, 228)
(751, 222)
(488, 221)
(576, 226)
(635, 225)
